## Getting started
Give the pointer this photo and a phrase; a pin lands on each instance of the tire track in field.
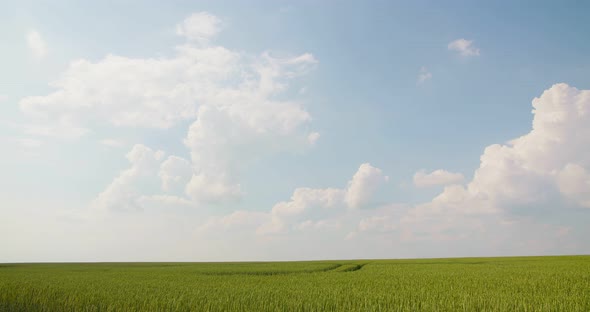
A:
(350, 267)
(330, 268)
(356, 268)
(334, 268)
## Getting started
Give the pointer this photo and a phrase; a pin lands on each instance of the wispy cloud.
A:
(424, 75)
(437, 177)
(199, 27)
(464, 47)
(36, 44)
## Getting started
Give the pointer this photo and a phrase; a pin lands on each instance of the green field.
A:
(467, 284)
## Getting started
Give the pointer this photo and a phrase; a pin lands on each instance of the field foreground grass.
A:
(467, 284)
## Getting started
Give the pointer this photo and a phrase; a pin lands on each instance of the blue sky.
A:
(196, 130)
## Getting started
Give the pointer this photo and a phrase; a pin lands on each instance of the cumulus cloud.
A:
(231, 98)
(526, 170)
(437, 177)
(543, 170)
(309, 209)
(136, 188)
(242, 124)
(152, 93)
(516, 184)
(237, 113)
(546, 169)
(199, 27)
(363, 185)
(215, 188)
(309, 206)
(124, 192)
(574, 182)
(463, 47)
(424, 75)
(163, 200)
(321, 225)
(175, 172)
(36, 44)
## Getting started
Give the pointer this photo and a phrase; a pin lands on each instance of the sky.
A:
(277, 130)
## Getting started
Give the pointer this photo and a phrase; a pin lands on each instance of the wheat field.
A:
(464, 284)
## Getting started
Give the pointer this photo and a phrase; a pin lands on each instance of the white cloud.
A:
(199, 27)
(123, 193)
(242, 124)
(36, 44)
(545, 169)
(213, 188)
(329, 225)
(152, 93)
(136, 188)
(526, 170)
(159, 201)
(313, 137)
(503, 207)
(464, 47)
(424, 75)
(307, 204)
(574, 182)
(233, 99)
(437, 177)
(239, 114)
(363, 185)
(175, 172)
